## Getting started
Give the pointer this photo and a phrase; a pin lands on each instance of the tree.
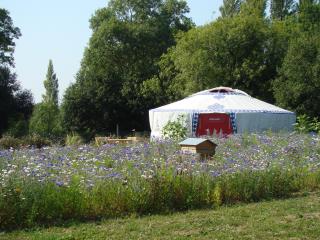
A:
(237, 52)
(8, 86)
(257, 7)
(298, 84)
(309, 15)
(79, 111)
(128, 39)
(15, 104)
(51, 86)
(230, 8)
(163, 88)
(46, 119)
(21, 111)
(281, 8)
(7, 35)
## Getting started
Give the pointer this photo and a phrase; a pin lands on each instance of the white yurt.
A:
(222, 110)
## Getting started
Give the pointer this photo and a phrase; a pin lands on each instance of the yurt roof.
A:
(220, 100)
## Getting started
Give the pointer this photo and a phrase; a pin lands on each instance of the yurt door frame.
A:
(210, 123)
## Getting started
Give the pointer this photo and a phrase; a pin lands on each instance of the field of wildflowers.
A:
(52, 185)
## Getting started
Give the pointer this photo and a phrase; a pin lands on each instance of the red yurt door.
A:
(210, 123)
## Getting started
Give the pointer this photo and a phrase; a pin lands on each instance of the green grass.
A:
(294, 218)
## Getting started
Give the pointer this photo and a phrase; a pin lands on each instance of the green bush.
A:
(36, 140)
(18, 128)
(305, 124)
(7, 142)
(175, 130)
(73, 139)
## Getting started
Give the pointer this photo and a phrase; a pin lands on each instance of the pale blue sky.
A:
(59, 30)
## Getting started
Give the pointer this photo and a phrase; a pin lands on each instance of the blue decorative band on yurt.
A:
(220, 93)
(195, 121)
(233, 122)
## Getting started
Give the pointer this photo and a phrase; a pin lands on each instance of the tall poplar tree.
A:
(281, 8)
(230, 8)
(45, 119)
(51, 85)
(257, 7)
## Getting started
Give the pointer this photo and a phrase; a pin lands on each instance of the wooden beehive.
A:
(204, 147)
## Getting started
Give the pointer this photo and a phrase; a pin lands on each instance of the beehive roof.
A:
(194, 141)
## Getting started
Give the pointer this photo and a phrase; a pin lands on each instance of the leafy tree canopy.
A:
(256, 7)
(127, 41)
(15, 103)
(281, 8)
(298, 84)
(230, 8)
(236, 52)
(8, 33)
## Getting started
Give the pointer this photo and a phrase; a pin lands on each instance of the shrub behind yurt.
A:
(222, 110)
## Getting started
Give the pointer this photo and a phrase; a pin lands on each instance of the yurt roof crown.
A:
(221, 90)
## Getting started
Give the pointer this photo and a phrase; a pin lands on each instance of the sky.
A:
(59, 30)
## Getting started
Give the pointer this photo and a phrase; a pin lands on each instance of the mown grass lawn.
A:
(295, 218)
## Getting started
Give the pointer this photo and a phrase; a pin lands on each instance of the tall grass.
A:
(92, 183)
(30, 203)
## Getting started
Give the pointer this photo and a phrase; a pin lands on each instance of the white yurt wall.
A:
(260, 122)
